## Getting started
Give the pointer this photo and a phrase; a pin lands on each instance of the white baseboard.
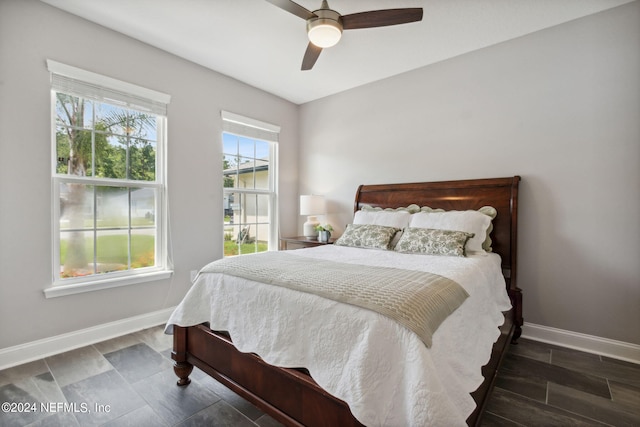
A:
(588, 343)
(28, 352)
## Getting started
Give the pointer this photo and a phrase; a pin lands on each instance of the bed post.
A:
(181, 367)
(516, 301)
(515, 293)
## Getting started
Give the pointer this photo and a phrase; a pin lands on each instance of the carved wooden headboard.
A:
(501, 193)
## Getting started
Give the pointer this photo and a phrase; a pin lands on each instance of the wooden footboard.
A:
(288, 395)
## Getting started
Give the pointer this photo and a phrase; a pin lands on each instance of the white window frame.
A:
(89, 85)
(237, 124)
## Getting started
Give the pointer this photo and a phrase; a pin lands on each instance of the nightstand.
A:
(297, 242)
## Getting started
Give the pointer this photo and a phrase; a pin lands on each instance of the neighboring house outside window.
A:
(109, 182)
(249, 185)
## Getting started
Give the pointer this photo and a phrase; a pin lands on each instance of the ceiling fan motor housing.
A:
(325, 29)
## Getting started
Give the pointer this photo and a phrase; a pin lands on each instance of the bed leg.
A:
(183, 370)
(516, 334)
(181, 367)
(516, 300)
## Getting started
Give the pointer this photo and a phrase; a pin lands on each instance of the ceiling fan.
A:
(325, 25)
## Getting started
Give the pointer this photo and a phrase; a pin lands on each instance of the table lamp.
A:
(311, 205)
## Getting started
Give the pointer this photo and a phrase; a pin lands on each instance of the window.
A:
(249, 171)
(109, 182)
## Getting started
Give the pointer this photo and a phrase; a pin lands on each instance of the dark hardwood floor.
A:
(129, 381)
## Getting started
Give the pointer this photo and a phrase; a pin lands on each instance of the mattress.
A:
(384, 372)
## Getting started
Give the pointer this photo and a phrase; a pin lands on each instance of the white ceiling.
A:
(262, 45)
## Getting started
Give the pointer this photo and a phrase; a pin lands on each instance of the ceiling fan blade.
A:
(310, 56)
(294, 8)
(381, 18)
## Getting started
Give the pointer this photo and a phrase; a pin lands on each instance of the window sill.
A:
(77, 288)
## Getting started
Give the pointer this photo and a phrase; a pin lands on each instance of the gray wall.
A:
(31, 32)
(561, 108)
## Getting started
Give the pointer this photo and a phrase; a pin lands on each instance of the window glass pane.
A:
(229, 171)
(76, 206)
(111, 156)
(142, 160)
(246, 223)
(76, 220)
(143, 207)
(262, 150)
(229, 144)
(143, 224)
(112, 235)
(249, 206)
(149, 128)
(237, 231)
(73, 151)
(73, 111)
(262, 238)
(63, 150)
(140, 125)
(248, 169)
(112, 208)
(262, 222)
(114, 119)
(245, 175)
(234, 208)
(143, 248)
(230, 161)
(76, 254)
(261, 174)
(112, 250)
(246, 147)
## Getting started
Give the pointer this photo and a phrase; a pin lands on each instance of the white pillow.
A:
(397, 219)
(467, 221)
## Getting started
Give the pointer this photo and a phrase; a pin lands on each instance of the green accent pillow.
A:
(367, 236)
(429, 241)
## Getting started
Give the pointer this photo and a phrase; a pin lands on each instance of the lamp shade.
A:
(312, 205)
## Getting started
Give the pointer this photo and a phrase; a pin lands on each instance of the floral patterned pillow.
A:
(367, 236)
(433, 242)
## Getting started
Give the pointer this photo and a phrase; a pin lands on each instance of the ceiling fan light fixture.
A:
(325, 25)
(324, 32)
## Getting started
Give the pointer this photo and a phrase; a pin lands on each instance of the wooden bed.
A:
(291, 396)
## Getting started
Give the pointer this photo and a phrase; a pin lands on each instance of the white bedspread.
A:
(381, 369)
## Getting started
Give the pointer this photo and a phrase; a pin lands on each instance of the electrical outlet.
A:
(194, 273)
